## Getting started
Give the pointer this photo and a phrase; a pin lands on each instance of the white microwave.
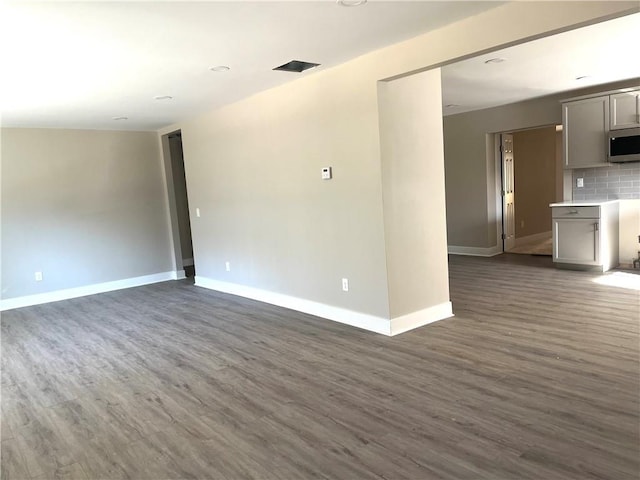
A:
(624, 145)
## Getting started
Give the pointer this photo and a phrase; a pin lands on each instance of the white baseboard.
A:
(536, 237)
(475, 251)
(180, 275)
(342, 315)
(57, 295)
(422, 317)
(365, 321)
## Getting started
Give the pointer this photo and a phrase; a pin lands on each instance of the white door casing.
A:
(508, 189)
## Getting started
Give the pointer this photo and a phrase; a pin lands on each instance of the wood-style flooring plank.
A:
(14, 466)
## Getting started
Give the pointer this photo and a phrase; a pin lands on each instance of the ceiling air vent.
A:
(296, 66)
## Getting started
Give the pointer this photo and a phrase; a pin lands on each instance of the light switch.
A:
(326, 173)
(580, 182)
(197, 212)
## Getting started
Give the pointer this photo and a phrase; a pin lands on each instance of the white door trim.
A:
(508, 191)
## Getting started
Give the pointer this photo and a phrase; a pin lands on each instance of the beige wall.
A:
(629, 230)
(253, 168)
(83, 207)
(535, 179)
(413, 192)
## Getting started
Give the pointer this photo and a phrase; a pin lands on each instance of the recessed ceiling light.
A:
(351, 3)
(582, 77)
(163, 97)
(121, 118)
(495, 60)
(296, 66)
(220, 68)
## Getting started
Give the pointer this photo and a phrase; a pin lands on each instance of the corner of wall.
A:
(420, 318)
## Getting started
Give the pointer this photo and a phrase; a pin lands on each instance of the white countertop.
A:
(587, 203)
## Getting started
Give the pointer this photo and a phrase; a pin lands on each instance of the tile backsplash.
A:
(618, 181)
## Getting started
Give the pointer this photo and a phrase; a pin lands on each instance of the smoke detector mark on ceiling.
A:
(296, 66)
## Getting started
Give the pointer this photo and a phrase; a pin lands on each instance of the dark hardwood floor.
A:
(536, 377)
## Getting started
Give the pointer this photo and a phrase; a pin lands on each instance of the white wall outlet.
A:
(345, 284)
(521, 223)
(38, 276)
(326, 173)
(227, 266)
(580, 182)
(198, 212)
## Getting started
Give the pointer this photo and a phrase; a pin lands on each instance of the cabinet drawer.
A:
(575, 212)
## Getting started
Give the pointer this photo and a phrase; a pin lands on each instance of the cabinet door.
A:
(625, 110)
(576, 241)
(585, 127)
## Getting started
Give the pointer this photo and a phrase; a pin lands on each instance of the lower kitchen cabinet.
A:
(585, 235)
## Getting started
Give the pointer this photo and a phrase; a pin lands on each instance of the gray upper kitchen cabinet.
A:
(625, 110)
(585, 128)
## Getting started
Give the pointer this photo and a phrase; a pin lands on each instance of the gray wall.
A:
(83, 207)
(472, 215)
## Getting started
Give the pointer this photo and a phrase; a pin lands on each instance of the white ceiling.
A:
(79, 64)
(605, 52)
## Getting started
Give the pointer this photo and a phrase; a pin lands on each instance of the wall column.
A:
(413, 192)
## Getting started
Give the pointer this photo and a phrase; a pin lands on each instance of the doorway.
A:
(532, 178)
(178, 203)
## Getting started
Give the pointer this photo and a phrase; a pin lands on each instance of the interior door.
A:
(508, 203)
